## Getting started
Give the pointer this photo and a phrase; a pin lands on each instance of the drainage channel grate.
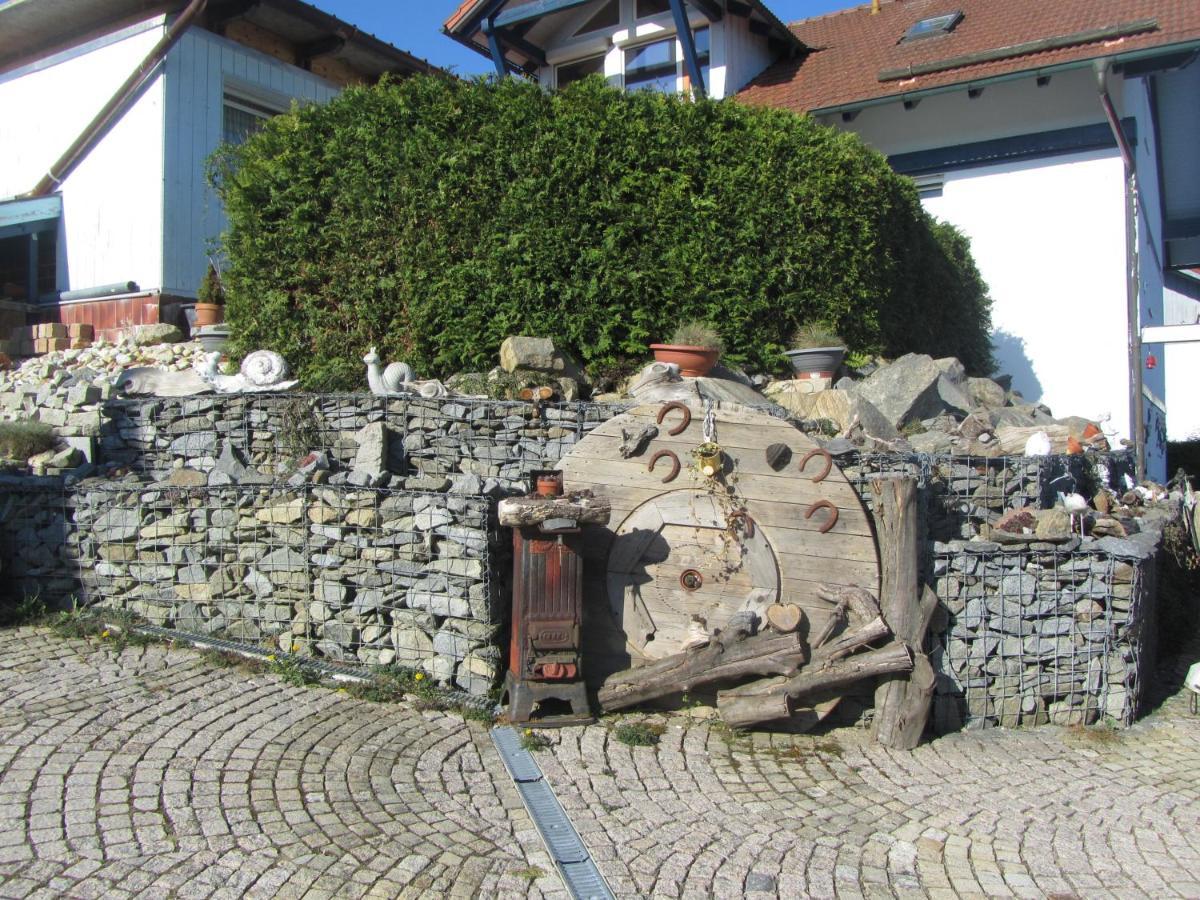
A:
(571, 857)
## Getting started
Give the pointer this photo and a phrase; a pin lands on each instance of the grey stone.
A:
(204, 444)
(912, 388)
(539, 355)
(149, 335)
(284, 559)
(118, 524)
(371, 456)
(985, 393)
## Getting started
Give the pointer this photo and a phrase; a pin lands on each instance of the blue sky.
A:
(415, 25)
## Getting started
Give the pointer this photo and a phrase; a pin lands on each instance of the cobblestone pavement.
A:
(149, 773)
(1046, 812)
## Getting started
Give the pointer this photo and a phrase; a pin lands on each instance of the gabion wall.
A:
(461, 445)
(1040, 634)
(364, 576)
(409, 568)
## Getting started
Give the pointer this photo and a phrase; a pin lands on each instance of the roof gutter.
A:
(1115, 59)
(115, 107)
(1133, 319)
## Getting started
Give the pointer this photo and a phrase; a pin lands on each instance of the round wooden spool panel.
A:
(635, 605)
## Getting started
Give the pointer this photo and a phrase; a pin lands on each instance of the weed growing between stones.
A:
(638, 734)
(530, 873)
(1104, 732)
(22, 439)
(29, 610)
(534, 741)
(291, 670)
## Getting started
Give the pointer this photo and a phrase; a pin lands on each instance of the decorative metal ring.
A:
(687, 416)
(691, 580)
(670, 454)
(833, 514)
(826, 458)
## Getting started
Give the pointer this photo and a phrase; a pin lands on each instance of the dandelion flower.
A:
(295, 648)
(271, 658)
(418, 677)
(104, 633)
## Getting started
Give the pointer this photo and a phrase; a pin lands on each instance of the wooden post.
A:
(902, 701)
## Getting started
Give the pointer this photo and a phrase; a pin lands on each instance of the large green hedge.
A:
(433, 217)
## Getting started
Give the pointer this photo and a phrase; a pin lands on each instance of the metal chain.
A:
(710, 423)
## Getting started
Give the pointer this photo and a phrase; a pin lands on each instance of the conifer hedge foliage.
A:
(434, 217)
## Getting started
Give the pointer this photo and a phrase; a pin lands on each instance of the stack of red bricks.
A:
(33, 340)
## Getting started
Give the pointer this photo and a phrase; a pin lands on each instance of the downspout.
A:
(112, 110)
(1132, 314)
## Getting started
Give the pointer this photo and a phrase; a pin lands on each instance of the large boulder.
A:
(149, 335)
(913, 387)
(539, 355)
(844, 408)
(985, 393)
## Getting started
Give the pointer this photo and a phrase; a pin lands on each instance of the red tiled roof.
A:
(853, 47)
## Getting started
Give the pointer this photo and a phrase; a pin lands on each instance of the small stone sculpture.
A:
(399, 379)
(151, 381)
(261, 371)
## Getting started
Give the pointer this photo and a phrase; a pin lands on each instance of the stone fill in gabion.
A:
(1049, 633)
(362, 576)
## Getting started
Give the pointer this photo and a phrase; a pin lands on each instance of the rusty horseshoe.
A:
(833, 514)
(674, 473)
(682, 407)
(825, 457)
(745, 517)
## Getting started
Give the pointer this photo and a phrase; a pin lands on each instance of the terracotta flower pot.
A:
(549, 485)
(208, 314)
(693, 362)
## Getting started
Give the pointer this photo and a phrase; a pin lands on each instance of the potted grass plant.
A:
(817, 351)
(694, 347)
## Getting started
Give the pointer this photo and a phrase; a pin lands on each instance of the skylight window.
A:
(933, 26)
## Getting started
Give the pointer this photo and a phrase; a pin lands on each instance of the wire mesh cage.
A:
(351, 575)
(1031, 637)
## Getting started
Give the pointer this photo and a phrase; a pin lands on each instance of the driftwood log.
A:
(902, 701)
(517, 512)
(744, 707)
(725, 658)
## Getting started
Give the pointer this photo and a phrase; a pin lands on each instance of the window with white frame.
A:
(242, 116)
(580, 68)
(659, 65)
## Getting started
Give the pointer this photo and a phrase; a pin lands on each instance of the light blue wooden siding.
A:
(198, 69)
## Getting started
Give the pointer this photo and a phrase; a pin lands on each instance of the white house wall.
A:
(199, 70)
(1048, 237)
(746, 54)
(112, 221)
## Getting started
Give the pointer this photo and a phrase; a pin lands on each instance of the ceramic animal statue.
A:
(261, 371)
(390, 380)
(398, 379)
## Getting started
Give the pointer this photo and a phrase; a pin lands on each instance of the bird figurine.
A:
(1074, 505)
(261, 371)
(391, 380)
(1038, 445)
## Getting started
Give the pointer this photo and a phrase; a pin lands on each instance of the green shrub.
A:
(23, 439)
(434, 217)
